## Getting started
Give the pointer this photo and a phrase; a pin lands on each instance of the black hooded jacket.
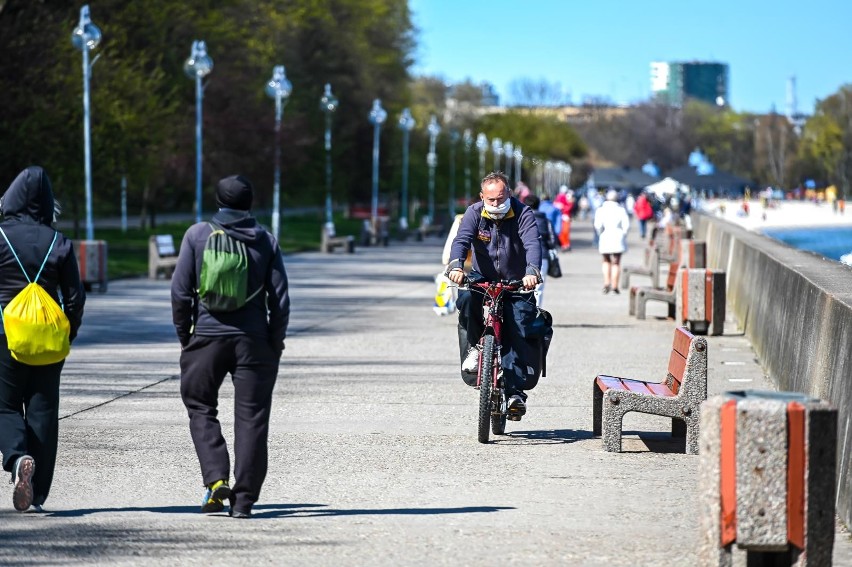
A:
(265, 316)
(27, 208)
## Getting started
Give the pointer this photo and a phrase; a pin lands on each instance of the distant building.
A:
(674, 83)
(489, 95)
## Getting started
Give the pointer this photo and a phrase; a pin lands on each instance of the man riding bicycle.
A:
(504, 237)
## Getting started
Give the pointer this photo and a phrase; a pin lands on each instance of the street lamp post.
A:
(378, 115)
(467, 140)
(454, 138)
(519, 161)
(198, 66)
(508, 148)
(497, 149)
(278, 88)
(432, 161)
(482, 147)
(87, 36)
(406, 124)
(328, 104)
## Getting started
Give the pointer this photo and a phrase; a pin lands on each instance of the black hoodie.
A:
(265, 316)
(27, 208)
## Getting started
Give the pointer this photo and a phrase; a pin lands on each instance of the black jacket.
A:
(27, 208)
(265, 316)
(546, 235)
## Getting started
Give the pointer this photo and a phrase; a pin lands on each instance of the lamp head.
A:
(328, 102)
(278, 85)
(378, 115)
(199, 64)
(86, 33)
(497, 146)
(481, 142)
(406, 121)
(434, 128)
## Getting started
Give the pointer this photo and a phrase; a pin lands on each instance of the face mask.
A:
(499, 211)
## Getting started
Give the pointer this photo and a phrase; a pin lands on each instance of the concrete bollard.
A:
(700, 301)
(767, 478)
(92, 263)
(693, 254)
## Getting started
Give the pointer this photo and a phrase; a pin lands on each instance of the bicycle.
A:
(489, 378)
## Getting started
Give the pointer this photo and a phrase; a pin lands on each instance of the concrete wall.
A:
(796, 309)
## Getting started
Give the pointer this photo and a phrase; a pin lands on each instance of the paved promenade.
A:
(373, 451)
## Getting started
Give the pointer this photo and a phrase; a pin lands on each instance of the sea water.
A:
(829, 242)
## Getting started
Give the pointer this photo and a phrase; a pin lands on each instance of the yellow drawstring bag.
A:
(37, 330)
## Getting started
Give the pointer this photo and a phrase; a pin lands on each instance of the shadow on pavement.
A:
(283, 510)
(543, 436)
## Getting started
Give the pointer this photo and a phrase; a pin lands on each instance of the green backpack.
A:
(224, 273)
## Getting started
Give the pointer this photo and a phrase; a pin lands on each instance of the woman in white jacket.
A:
(611, 224)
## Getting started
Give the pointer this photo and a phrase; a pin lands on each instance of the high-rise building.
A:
(675, 82)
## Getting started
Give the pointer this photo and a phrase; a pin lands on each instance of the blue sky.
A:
(605, 47)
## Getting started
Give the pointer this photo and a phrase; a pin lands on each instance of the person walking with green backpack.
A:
(42, 299)
(230, 307)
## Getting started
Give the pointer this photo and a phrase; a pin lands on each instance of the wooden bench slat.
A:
(638, 386)
(677, 366)
(682, 338)
(609, 383)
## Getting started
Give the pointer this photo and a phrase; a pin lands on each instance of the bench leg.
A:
(640, 304)
(624, 280)
(631, 305)
(692, 431)
(612, 417)
(672, 309)
(597, 403)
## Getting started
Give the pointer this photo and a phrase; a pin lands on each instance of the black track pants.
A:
(29, 417)
(253, 367)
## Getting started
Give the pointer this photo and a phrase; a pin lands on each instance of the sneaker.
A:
(34, 509)
(214, 495)
(471, 361)
(22, 497)
(516, 408)
(615, 290)
(239, 515)
(605, 289)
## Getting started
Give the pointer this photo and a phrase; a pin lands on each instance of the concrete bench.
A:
(701, 298)
(162, 256)
(679, 396)
(329, 241)
(650, 268)
(375, 234)
(639, 296)
(767, 479)
(429, 229)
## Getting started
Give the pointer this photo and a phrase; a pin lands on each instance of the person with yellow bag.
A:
(37, 268)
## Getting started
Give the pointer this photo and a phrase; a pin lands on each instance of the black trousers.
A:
(253, 367)
(519, 353)
(29, 417)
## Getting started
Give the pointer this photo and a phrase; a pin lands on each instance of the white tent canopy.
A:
(667, 186)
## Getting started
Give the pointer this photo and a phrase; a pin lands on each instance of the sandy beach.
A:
(781, 214)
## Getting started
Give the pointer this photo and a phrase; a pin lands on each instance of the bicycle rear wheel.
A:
(486, 373)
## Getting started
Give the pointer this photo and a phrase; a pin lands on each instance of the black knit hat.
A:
(234, 192)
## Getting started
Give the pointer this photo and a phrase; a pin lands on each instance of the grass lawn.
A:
(127, 252)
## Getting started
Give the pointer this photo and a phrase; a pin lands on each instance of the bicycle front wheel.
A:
(486, 373)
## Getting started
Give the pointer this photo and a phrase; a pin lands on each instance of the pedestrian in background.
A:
(547, 238)
(611, 226)
(29, 395)
(246, 343)
(644, 212)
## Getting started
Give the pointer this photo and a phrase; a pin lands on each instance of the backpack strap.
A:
(15, 254)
